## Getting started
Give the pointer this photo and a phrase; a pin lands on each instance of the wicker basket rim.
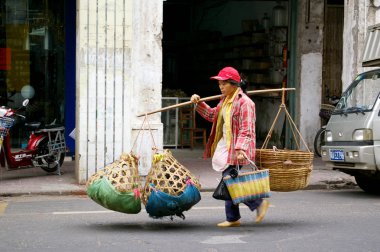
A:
(291, 169)
(279, 171)
(283, 151)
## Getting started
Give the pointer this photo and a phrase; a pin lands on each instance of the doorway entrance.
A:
(201, 37)
(332, 52)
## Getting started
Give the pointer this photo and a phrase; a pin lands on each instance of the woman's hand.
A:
(195, 98)
(241, 156)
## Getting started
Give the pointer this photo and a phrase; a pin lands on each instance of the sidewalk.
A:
(36, 181)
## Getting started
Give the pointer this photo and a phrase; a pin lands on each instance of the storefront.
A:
(201, 37)
(273, 43)
(37, 53)
(96, 65)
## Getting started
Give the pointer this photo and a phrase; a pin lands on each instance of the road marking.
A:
(207, 208)
(83, 212)
(226, 239)
(3, 206)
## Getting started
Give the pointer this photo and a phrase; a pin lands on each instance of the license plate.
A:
(337, 155)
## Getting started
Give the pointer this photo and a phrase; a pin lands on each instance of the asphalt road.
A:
(312, 220)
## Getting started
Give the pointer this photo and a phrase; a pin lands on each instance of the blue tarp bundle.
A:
(161, 204)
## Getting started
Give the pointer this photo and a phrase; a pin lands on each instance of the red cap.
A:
(227, 73)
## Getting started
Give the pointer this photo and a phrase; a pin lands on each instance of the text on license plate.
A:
(337, 155)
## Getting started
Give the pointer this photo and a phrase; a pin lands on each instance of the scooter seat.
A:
(33, 125)
(51, 126)
(41, 127)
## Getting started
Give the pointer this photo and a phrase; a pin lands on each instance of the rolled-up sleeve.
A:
(206, 111)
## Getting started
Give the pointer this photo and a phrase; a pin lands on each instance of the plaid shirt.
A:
(243, 118)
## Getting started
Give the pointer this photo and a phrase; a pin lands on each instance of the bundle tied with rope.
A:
(289, 170)
(170, 188)
(117, 186)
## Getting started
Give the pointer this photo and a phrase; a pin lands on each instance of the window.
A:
(371, 55)
(32, 59)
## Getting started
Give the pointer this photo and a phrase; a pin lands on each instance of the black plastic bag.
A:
(221, 192)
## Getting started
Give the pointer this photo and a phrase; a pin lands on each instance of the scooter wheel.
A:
(49, 163)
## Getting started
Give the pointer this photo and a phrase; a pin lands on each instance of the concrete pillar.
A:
(353, 37)
(147, 78)
(358, 16)
(309, 55)
(118, 75)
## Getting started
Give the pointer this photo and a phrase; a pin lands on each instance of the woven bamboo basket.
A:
(289, 170)
(287, 180)
(122, 173)
(283, 159)
(168, 176)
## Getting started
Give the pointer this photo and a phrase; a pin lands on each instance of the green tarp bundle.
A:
(105, 194)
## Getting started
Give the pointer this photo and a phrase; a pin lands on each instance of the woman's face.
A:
(226, 88)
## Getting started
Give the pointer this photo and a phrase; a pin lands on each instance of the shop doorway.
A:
(332, 52)
(202, 36)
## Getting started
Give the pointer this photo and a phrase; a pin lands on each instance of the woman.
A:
(232, 139)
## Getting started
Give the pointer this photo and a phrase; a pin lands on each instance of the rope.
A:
(295, 127)
(138, 133)
(269, 135)
(151, 134)
(292, 126)
(146, 121)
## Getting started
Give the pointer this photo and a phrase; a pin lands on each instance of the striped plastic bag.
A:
(248, 186)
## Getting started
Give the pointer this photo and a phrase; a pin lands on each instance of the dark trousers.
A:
(232, 210)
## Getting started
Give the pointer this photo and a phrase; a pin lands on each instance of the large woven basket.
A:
(283, 159)
(168, 176)
(289, 170)
(289, 180)
(122, 173)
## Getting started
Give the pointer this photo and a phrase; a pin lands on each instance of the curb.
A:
(45, 193)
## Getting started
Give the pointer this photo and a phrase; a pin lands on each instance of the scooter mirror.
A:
(25, 102)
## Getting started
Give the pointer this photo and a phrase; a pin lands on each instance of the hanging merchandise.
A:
(117, 186)
(285, 56)
(265, 22)
(161, 204)
(279, 15)
(170, 188)
(276, 76)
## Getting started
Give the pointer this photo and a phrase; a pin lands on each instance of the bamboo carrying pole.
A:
(215, 97)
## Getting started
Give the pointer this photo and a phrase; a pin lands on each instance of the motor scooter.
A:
(46, 147)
